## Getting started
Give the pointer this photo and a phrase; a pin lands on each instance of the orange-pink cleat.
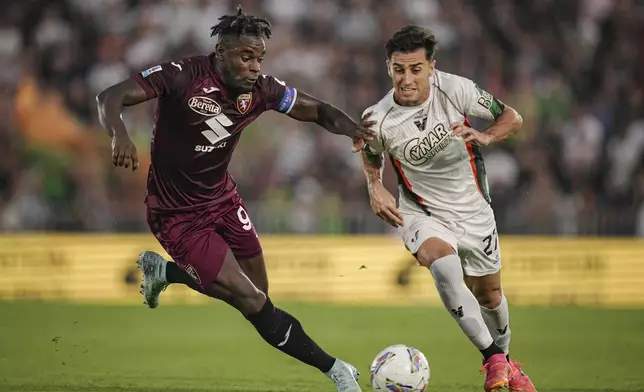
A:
(498, 373)
(519, 381)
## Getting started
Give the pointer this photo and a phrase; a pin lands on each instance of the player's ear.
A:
(432, 67)
(219, 51)
(389, 68)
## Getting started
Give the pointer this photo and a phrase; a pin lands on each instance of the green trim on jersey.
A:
(481, 175)
(496, 108)
(492, 104)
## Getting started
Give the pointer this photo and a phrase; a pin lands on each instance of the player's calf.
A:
(494, 307)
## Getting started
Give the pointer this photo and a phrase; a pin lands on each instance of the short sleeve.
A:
(277, 95)
(476, 102)
(161, 80)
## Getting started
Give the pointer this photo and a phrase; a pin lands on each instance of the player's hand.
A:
(124, 152)
(364, 133)
(470, 135)
(383, 204)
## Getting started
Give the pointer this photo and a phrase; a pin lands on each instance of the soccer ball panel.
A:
(399, 368)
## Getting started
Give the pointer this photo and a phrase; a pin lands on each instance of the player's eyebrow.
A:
(411, 65)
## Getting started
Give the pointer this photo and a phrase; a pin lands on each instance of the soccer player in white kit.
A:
(444, 216)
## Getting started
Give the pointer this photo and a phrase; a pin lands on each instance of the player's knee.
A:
(251, 303)
(431, 250)
(263, 286)
(488, 297)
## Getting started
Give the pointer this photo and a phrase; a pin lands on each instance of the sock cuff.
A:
(266, 310)
(449, 260)
(504, 303)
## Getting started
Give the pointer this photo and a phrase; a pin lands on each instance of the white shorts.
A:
(475, 240)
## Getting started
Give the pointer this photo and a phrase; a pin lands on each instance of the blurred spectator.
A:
(573, 68)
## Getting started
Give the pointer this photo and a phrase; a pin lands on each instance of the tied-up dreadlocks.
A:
(241, 24)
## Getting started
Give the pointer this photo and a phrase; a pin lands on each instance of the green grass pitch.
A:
(91, 348)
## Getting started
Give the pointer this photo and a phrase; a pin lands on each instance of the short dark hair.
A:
(412, 38)
(241, 24)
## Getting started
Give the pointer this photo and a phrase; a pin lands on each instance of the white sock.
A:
(459, 300)
(498, 323)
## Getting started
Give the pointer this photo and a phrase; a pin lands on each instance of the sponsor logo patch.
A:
(152, 70)
(204, 105)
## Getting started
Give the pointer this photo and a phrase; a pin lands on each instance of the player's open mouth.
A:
(407, 90)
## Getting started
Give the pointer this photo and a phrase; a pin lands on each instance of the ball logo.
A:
(204, 106)
(415, 357)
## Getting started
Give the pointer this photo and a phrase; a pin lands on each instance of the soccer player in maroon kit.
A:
(193, 208)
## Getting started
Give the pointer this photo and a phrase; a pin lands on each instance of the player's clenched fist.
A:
(364, 133)
(124, 152)
(470, 135)
(383, 204)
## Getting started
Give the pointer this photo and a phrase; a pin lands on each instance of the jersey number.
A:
(488, 241)
(244, 219)
(217, 131)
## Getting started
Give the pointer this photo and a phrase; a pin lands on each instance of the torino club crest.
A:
(243, 102)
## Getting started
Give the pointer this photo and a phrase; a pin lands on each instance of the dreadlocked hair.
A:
(241, 24)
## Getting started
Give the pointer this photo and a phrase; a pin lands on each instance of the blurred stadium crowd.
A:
(573, 68)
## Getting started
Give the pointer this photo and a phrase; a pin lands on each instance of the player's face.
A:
(241, 59)
(410, 74)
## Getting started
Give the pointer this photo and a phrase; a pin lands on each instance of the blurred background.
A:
(574, 69)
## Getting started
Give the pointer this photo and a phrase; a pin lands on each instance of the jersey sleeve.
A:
(277, 95)
(163, 79)
(476, 102)
(376, 145)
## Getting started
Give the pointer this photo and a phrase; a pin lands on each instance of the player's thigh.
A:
(481, 257)
(255, 269)
(201, 254)
(427, 238)
(247, 297)
(239, 233)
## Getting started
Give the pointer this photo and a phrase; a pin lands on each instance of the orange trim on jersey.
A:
(406, 180)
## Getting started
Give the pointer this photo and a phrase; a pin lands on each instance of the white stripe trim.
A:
(292, 102)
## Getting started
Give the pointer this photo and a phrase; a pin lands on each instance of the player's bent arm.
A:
(110, 103)
(506, 125)
(373, 166)
(334, 120)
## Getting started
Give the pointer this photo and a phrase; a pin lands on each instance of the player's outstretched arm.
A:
(334, 120)
(506, 125)
(383, 203)
(110, 103)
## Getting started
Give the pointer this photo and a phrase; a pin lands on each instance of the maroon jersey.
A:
(197, 126)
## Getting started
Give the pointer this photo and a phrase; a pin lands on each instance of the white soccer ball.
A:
(399, 368)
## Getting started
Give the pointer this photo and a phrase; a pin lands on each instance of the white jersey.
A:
(439, 174)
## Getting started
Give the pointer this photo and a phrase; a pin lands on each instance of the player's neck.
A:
(422, 99)
(221, 74)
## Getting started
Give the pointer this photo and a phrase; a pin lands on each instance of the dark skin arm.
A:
(334, 120)
(110, 103)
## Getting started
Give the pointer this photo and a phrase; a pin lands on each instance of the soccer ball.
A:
(399, 368)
